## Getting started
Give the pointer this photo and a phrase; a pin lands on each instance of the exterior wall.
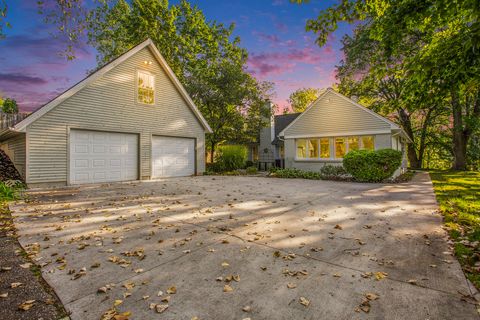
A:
(332, 115)
(15, 150)
(266, 151)
(110, 104)
(382, 141)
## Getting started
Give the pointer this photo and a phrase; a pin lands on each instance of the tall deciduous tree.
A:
(301, 98)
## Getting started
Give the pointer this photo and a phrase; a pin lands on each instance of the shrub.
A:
(230, 157)
(9, 190)
(332, 172)
(372, 166)
(252, 170)
(295, 173)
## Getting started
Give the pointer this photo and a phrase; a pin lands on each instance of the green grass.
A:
(458, 194)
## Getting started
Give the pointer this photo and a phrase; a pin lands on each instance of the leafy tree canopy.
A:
(302, 98)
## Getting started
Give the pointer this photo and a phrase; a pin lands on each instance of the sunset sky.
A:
(272, 31)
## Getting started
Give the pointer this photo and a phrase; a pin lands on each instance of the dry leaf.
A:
(227, 288)
(172, 290)
(15, 284)
(4, 295)
(291, 285)
(304, 301)
(380, 275)
(225, 264)
(117, 302)
(371, 296)
(26, 265)
(161, 308)
(337, 226)
(26, 305)
(247, 308)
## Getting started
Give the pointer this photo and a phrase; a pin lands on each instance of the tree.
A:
(9, 106)
(3, 16)
(302, 98)
(446, 36)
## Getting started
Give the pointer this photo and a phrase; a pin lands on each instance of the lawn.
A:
(458, 194)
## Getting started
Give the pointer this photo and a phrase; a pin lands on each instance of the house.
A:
(329, 128)
(130, 120)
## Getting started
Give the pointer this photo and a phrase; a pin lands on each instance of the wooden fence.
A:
(9, 120)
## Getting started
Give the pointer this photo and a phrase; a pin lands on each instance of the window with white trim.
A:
(145, 87)
(321, 148)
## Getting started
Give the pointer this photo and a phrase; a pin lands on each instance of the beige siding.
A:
(333, 114)
(15, 149)
(110, 104)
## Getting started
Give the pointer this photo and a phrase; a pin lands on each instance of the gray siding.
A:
(15, 149)
(332, 115)
(109, 104)
(265, 148)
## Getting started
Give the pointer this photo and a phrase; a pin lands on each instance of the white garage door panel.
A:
(172, 157)
(102, 156)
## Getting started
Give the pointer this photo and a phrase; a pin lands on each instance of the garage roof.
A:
(22, 125)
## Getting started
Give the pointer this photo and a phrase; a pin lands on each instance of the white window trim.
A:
(136, 87)
(332, 147)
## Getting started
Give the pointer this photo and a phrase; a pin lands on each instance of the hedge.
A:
(372, 166)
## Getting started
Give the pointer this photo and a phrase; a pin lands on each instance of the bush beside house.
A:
(372, 166)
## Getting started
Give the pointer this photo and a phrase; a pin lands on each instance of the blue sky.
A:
(272, 31)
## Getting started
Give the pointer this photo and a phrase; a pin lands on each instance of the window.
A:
(325, 148)
(145, 88)
(340, 147)
(353, 143)
(301, 148)
(368, 143)
(313, 148)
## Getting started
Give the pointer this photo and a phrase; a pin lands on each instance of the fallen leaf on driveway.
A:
(26, 265)
(247, 308)
(26, 305)
(6, 269)
(4, 295)
(371, 296)
(225, 264)
(161, 308)
(227, 288)
(304, 301)
(172, 290)
(15, 284)
(117, 302)
(412, 281)
(337, 226)
(291, 285)
(380, 275)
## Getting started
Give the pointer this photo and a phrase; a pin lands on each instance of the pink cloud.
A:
(275, 63)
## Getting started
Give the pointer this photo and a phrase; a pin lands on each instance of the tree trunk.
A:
(460, 136)
(212, 150)
(411, 152)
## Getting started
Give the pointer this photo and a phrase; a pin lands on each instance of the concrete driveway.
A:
(246, 247)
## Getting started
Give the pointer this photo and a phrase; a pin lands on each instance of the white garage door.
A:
(97, 156)
(172, 157)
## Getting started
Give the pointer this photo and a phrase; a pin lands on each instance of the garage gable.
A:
(155, 62)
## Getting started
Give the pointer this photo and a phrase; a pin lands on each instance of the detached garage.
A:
(130, 120)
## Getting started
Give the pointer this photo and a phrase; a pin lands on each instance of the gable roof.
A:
(280, 122)
(22, 125)
(392, 125)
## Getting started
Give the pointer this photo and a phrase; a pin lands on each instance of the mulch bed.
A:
(32, 286)
(7, 169)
